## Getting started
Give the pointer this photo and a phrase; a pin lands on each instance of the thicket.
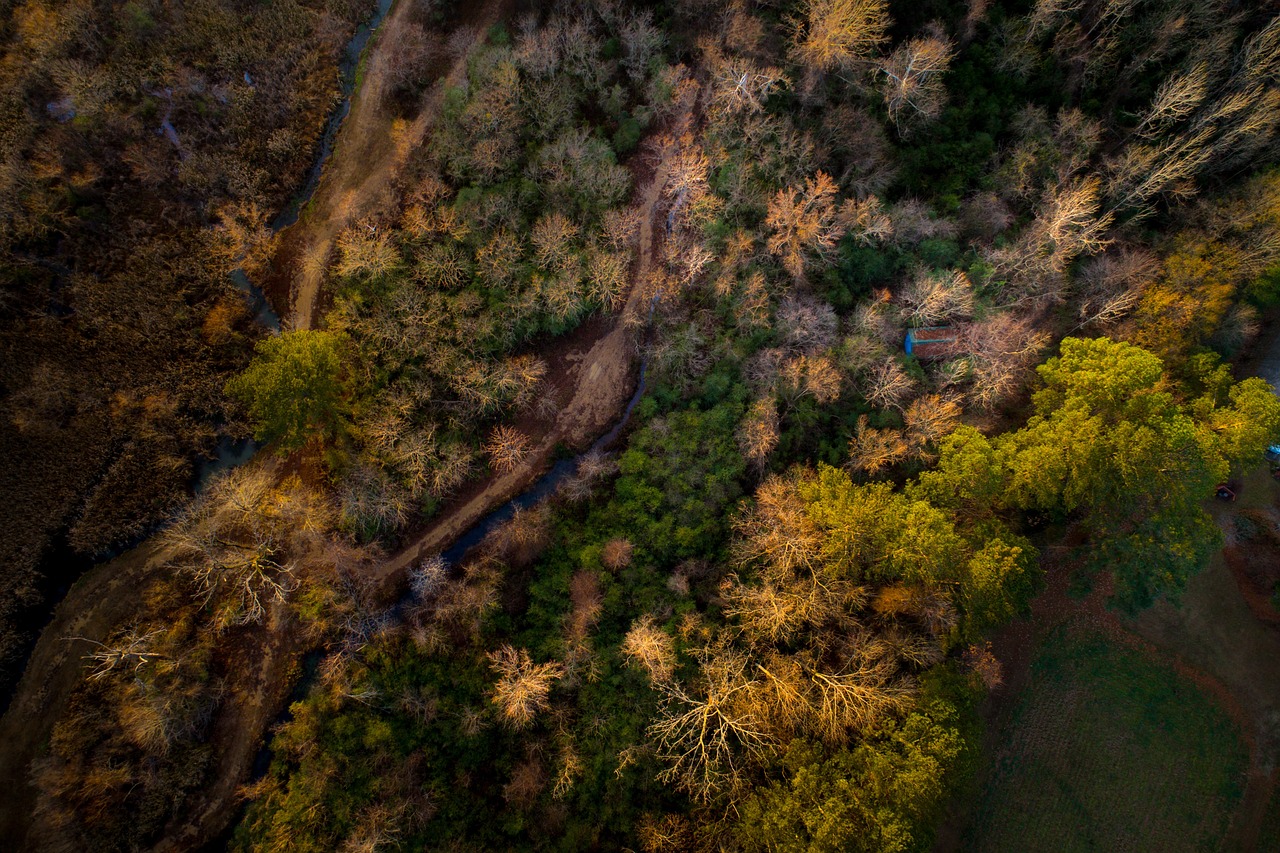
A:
(796, 671)
(761, 625)
(514, 228)
(133, 751)
(144, 149)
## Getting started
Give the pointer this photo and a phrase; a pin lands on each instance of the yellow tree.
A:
(837, 35)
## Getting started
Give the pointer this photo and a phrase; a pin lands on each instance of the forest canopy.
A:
(798, 331)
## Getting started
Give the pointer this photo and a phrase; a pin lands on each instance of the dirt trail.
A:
(602, 383)
(103, 599)
(371, 150)
(257, 689)
(358, 178)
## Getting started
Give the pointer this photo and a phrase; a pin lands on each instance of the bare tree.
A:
(553, 240)
(1001, 351)
(1177, 98)
(616, 554)
(237, 542)
(840, 34)
(708, 741)
(651, 648)
(912, 81)
(931, 298)
(776, 611)
(132, 650)
(929, 418)
(803, 220)
(759, 432)
(887, 386)
(914, 220)
(507, 448)
(428, 577)
(1111, 285)
(777, 533)
(741, 86)
(523, 687)
(872, 450)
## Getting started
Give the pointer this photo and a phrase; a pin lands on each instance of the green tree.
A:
(294, 388)
(879, 796)
(1111, 442)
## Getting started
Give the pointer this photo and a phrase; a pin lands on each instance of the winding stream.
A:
(230, 453)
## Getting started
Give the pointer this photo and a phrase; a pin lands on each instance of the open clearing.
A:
(1109, 750)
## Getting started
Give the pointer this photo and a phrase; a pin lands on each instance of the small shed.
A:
(931, 343)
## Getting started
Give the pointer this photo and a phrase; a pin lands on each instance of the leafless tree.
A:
(931, 298)
(808, 325)
(759, 432)
(523, 687)
(929, 418)
(887, 386)
(872, 450)
(838, 35)
(507, 448)
(913, 220)
(1001, 350)
(741, 86)
(651, 648)
(912, 81)
(777, 533)
(131, 650)
(616, 554)
(428, 577)
(709, 740)
(1110, 285)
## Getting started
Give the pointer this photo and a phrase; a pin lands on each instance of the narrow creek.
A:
(61, 565)
(229, 452)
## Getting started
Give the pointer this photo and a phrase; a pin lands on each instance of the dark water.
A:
(543, 488)
(60, 565)
(347, 68)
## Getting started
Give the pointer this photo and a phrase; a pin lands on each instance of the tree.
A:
(709, 740)
(872, 450)
(932, 298)
(294, 388)
(507, 447)
(838, 34)
(879, 796)
(132, 650)
(912, 84)
(241, 542)
(523, 686)
(758, 433)
(803, 220)
(651, 648)
(1109, 440)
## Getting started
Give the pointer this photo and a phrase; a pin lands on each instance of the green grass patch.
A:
(1108, 750)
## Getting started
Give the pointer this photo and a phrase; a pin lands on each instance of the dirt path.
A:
(102, 599)
(257, 690)
(371, 150)
(602, 383)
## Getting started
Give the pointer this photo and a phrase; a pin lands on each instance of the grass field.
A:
(1109, 751)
